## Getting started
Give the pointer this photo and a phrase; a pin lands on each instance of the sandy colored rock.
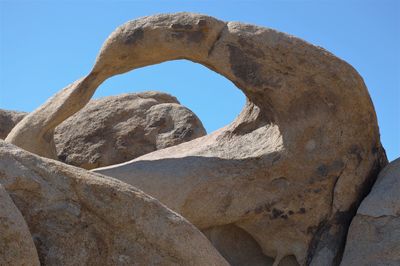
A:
(290, 170)
(16, 244)
(374, 234)
(82, 218)
(237, 246)
(8, 119)
(117, 129)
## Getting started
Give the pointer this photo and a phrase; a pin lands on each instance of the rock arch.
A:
(289, 170)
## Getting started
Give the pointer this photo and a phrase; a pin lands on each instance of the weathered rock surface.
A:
(239, 248)
(290, 170)
(120, 128)
(16, 244)
(82, 218)
(374, 234)
(8, 119)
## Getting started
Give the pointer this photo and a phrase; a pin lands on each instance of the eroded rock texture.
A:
(8, 119)
(117, 129)
(120, 128)
(82, 218)
(237, 246)
(374, 234)
(16, 244)
(290, 170)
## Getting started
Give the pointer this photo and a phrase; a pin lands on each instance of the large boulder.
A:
(16, 244)
(120, 128)
(117, 129)
(290, 170)
(8, 119)
(82, 218)
(374, 234)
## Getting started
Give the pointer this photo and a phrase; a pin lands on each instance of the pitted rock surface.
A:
(8, 119)
(117, 129)
(81, 218)
(290, 170)
(374, 234)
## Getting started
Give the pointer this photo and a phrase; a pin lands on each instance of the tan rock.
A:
(16, 244)
(237, 246)
(289, 170)
(116, 129)
(82, 218)
(8, 119)
(120, 128)
(374, 234)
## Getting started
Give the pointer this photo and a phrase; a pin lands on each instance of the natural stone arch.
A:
(289, 170)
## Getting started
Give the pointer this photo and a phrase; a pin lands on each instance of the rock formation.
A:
(117, 129)
(82, 218)
(120, 128)
(16, 244)
(289, 171)
(8, 119)
(374, 234)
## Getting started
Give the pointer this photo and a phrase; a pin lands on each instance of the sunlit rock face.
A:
(76, 217)
(289, 171)
(117, 129)
(374, 234)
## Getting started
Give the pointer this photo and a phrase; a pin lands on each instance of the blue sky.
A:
(45, 45)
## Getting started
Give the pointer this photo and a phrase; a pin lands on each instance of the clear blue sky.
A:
(45, 45)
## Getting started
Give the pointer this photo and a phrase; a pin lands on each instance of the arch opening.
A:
(211, 96)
